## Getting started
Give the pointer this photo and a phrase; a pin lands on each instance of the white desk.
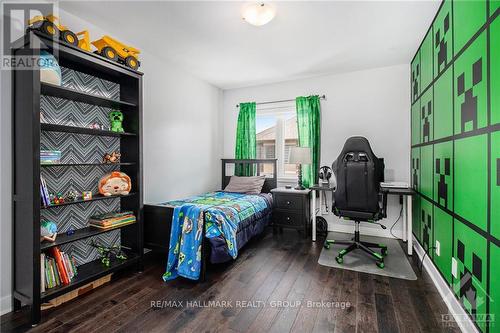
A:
(407, 193)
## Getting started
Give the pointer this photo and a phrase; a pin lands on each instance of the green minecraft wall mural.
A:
(426, 224)
(443, 174)
(495, 185)
(442, 38)
(443, 242)
(427, 116)
(495, 70)
(469, 270)
(470, 87)
(415, 77)
(468, 18)
(443, 109)
(455, 153)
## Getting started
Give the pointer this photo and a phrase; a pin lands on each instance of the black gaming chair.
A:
(357, 196)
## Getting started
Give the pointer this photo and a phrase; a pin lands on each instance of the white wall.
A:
(372, 103)
(181, 138)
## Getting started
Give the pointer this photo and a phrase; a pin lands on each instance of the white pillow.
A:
(248, 185)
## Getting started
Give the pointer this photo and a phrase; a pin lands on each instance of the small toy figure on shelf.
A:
(106, 253)
(114, 157)
(71, 196)
(56, 199)
(95, 126)
(116, 119)
(87, 195)
(48, 231)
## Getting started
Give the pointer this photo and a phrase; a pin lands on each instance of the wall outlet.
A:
(454, 267)
(438, 248)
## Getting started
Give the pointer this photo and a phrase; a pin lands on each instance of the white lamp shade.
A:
(300, 155)
(258, 13)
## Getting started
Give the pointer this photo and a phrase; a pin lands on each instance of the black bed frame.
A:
(158, 218)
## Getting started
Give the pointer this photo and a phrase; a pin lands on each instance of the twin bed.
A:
(220, 212)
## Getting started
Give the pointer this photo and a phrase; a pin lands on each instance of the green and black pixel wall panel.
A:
(455, 153)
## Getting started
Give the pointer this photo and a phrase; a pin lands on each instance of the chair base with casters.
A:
(356, 243)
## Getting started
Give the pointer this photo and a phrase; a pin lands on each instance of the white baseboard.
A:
(5, 304)
(454, 307)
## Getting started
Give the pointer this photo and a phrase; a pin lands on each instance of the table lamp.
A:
(300, 155)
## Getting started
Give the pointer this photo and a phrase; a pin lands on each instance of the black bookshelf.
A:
(67, 93)
(94, 198)
(48, 165)
(79, 234)
(89, 272)
(82, 130)
(27, 129)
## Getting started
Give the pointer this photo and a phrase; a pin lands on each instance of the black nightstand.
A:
(291, 209)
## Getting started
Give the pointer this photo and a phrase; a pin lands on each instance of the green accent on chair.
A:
(309, 127)
(443, 233)
(426, 170)
(495, 186)
(495, 71)
(471, 256)
(443, 38)
(427, 117)
(471, 179)
(426, 56)
(443, 174)
(470, 73)
(468, 17)
(443, 108)
(246, 146)
(415, 123)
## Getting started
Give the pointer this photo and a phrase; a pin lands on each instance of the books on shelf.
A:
(44, 192)
(50, 156)
(57, 268)
(112, 220)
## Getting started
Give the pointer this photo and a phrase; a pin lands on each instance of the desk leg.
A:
(405, 219)
(409, 226)
(313, 208)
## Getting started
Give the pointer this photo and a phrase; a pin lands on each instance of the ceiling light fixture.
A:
(258, 13)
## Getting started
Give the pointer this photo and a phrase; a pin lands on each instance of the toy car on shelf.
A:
(114, 50)
(50, 25)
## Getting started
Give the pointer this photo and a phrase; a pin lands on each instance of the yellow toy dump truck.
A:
(50, 25)
(114, 50)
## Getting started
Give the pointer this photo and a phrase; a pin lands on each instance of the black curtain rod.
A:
(282, 101)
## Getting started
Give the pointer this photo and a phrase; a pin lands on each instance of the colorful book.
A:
(112, 226)
(111, 215)
(56, 253)
(130, 218)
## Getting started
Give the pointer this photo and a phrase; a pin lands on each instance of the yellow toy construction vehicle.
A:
(114, 50)
(50, 25)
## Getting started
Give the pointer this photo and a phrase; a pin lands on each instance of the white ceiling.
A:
(306, 38)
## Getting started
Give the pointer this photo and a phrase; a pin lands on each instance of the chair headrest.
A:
(356, 144)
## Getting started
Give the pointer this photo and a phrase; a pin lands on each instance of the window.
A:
(276, 134)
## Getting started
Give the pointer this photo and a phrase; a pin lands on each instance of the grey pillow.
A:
(248, 185)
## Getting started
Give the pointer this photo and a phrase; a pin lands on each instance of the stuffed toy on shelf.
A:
(115, 183)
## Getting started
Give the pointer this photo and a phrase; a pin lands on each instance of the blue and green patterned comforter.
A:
(221, 212)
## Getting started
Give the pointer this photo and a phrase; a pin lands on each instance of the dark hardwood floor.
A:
(270, 269)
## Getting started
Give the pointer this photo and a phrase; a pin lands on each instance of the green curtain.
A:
(309, 127)
(246, 146)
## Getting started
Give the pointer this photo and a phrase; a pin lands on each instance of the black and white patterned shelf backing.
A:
(79, 148)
